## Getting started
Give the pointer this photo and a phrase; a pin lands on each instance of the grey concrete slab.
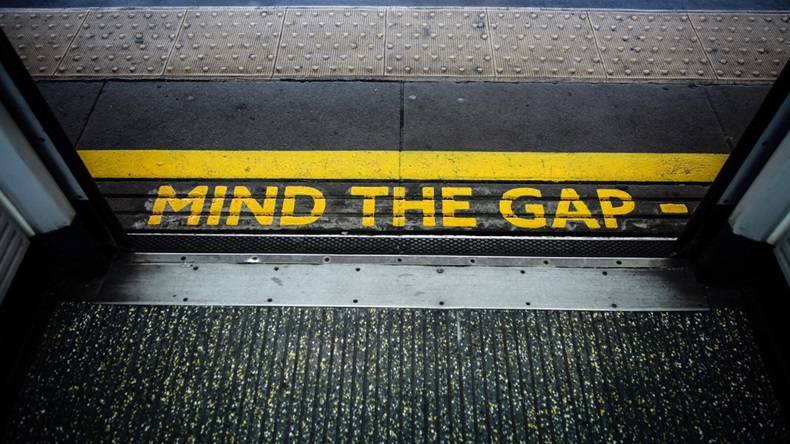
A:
(559, 118)
(246, 115)
(736, 106)
(72, 103)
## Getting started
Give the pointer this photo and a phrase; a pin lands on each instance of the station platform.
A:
(369, 121)
(390, 222)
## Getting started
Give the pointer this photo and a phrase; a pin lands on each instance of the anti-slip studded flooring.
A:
(163, 374)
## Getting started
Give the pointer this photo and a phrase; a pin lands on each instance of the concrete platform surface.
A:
(387, 157)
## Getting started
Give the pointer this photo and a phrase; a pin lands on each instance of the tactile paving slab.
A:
(227, 42)
(331, 43)
(496, 44)
(438, 43)
(539, 44)
(123, 43)
(656, 45)
(744, 46)
(41, 37)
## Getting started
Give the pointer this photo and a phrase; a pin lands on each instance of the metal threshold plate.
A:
(359, 281)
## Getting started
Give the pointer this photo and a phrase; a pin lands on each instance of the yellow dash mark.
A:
(674, 209)
(408, 165)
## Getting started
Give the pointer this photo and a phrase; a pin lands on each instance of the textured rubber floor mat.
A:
(117, 373)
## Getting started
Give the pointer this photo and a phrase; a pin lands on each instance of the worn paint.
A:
(428, 206)
(202, 164)
(561, 167)
(407, 165)
(674, 209)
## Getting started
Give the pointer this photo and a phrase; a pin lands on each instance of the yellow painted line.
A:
(192, 164)
(409, 165)
(561, 167)
(674, 209)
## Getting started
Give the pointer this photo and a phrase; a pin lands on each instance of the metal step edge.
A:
(438, 282)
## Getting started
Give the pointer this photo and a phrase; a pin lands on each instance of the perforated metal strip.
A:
(396, 244)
